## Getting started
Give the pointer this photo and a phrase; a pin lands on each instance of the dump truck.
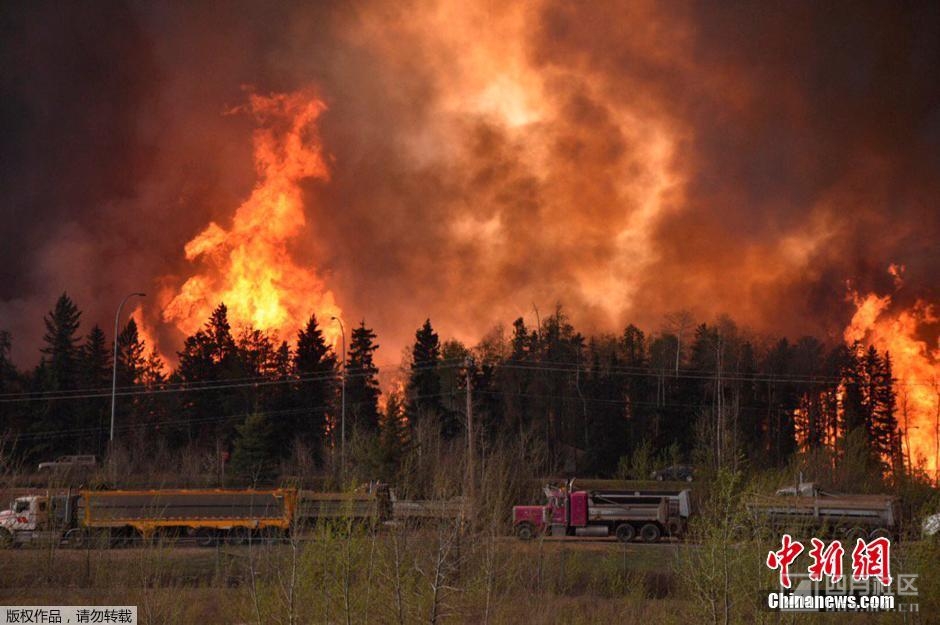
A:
(418, 511)
(121, 516)
(806, 509)
(647, 515)
(204, 516)
(370, 506)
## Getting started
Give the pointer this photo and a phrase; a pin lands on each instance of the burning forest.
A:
(310, 181)
(461, 247)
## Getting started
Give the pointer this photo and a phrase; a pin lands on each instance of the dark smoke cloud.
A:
(623, 159)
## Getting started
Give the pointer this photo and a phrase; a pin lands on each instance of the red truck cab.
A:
(624, 514)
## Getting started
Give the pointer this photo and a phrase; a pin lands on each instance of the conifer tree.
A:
(512, 381)
(95, 369)
(393, 437)
(59, 371)
(424, 383)
(362, 385)
(885, 435)
(314, 365)
(130, 353)
(211, 356)
(256, 450)
(61, 344)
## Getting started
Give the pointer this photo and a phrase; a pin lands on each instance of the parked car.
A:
(676, 473)
(65, 463)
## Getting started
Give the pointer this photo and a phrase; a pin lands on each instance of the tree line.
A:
(709, 393)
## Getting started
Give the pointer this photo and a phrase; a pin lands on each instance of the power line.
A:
(54, 434)
(185, 387)
(550, 366)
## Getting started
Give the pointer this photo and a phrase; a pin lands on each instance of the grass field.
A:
(424, 576)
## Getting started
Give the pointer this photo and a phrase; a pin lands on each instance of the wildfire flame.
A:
(916, 366)
(249, 266)
(147, 336)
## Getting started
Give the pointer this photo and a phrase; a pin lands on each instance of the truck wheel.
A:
(625, 532)
(76, 538)
(6, 539)
(206, 537)
(650, 533)
(525, 531)
(238, 536)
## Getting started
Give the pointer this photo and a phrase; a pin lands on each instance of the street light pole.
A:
(117, 319)
(342, 420)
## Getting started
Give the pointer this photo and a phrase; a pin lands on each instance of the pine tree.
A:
(95, 368)
(362, 385)
(814, 426)
(61, 343)
(59, 371)
(635, 384)
(393, 437)
(423, 391)
(885, 435)
(608, 408)
(154, 407)
(315, 367)
(210, 356)
(853, 400)
(130, 366)
(558, 403)
(523, 343)
(153, 374)
(256, 353)
(256, 450)
(95, 360)
(512, 380)
(130, 354)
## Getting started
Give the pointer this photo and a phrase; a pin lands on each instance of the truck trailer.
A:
(203, 516)
(121, 516)
(649, 515)
(805, 509)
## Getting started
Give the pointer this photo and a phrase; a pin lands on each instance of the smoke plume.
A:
(622, 159)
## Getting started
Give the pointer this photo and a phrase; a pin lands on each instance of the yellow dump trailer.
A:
(208, 515)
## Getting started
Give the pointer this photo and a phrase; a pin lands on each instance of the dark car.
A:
(677, 473)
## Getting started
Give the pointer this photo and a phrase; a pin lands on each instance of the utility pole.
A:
(470, 447)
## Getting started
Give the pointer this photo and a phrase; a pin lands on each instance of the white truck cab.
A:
(35, 517)
(25, 513)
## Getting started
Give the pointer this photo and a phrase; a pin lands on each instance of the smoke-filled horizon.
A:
(625, 160)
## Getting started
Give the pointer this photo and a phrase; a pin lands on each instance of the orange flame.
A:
(249, 266)
(147, 337)
(916, 367)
